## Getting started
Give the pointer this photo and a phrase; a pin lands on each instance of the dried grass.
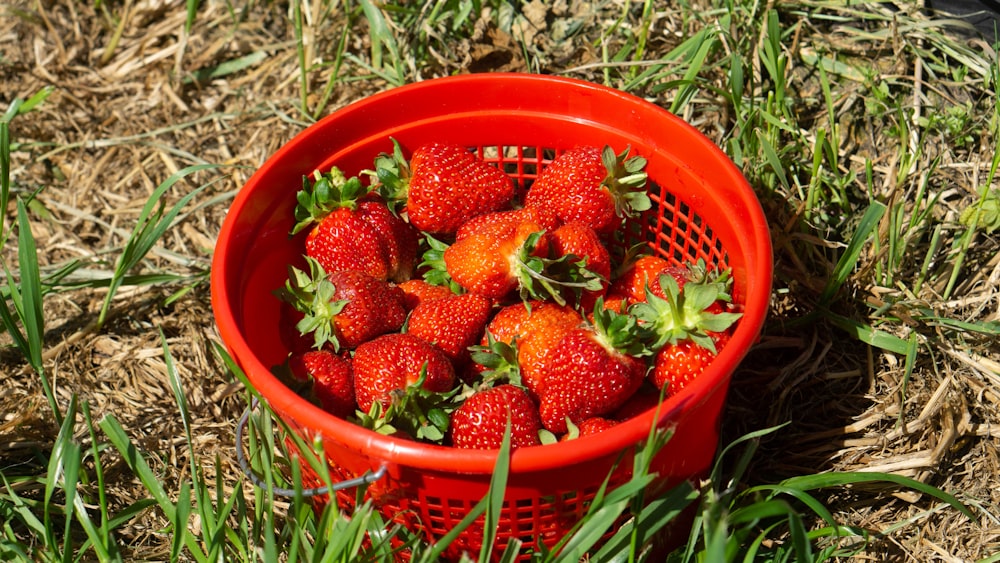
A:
(124, 115)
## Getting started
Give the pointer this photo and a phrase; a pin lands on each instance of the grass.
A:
(853, 124)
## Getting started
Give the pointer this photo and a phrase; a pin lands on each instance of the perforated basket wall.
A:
(703, 209)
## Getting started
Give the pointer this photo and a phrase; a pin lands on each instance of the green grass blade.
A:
(61, 462)
(180, 520)
(31, 303)
(655, 516)
(150, 226)
(828, 480)
(868, 335)
(138, 464)
(849, 260)
(106, 526)
(494, 504)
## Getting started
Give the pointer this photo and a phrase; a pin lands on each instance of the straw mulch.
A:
(133, 101)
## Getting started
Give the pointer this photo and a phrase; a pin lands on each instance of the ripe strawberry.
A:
(332, 379)
(677, 365)
(504, 223)
(481, 420)
(498, 253)
(442, 186)
(592, 425)
(591, 185)
(686, 328)
(343, 308)
(533, 329)
(352, 229)
(578, 241)
(592, 371)
(630, 284)
(452, 323)
(641, 401)
(417, 291)
(387, 365)
(495, 262)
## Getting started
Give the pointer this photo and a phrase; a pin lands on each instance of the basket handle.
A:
(368, 477)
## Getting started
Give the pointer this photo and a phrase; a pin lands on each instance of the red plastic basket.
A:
(703, 209)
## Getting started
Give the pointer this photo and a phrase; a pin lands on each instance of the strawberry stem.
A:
(684, 315)
(626, 181)
(312, 294)
(327, 192)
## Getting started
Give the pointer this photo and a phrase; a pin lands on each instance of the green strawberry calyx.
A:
(500, 360)
(417, 412)
(435, 272)
(323, 193)
(392, 173)
(618, 332)
(626, 181)
(312, 294)
(544, 278)
(684, 315)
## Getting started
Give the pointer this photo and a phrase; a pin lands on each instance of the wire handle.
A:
(368, 477)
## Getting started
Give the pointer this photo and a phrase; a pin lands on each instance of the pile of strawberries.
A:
(440, 305)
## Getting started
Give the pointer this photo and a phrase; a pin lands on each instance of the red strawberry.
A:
(592, 425)
(541, 332)
(677, 365)
(592, 371)
(442, 186)
(591, 185)
(494, 262)
(452, 323)
(580, 242)
(481, 420)
(631, 284)
(504, 223)
(344, 308)
(332, 379)
(385, 366)
(531, 329)
(498, 253)
(352, 230)
(641, 401)
(417, 291)
(686, 328)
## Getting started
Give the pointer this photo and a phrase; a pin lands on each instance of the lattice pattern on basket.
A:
(532, 520)
(671, 226)
(674, 230)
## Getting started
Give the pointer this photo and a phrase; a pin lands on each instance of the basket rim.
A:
(392, 450)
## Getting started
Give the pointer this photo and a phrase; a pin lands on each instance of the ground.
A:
(135, 98)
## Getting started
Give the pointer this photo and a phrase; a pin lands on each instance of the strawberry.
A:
(332, 379)
(578, 241)
(686, 328)
(495, 262)
(499, 253)
(343, 308)
(481, 420)
(386, 366)
(587, 427)
(647, 397)
(592, 371)
(531, 329)
(591, 185)
(677, 365)
(442, 186)
(452, 323)
(417, 291)
(630, 285)
(503, 223)
(351, 229)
